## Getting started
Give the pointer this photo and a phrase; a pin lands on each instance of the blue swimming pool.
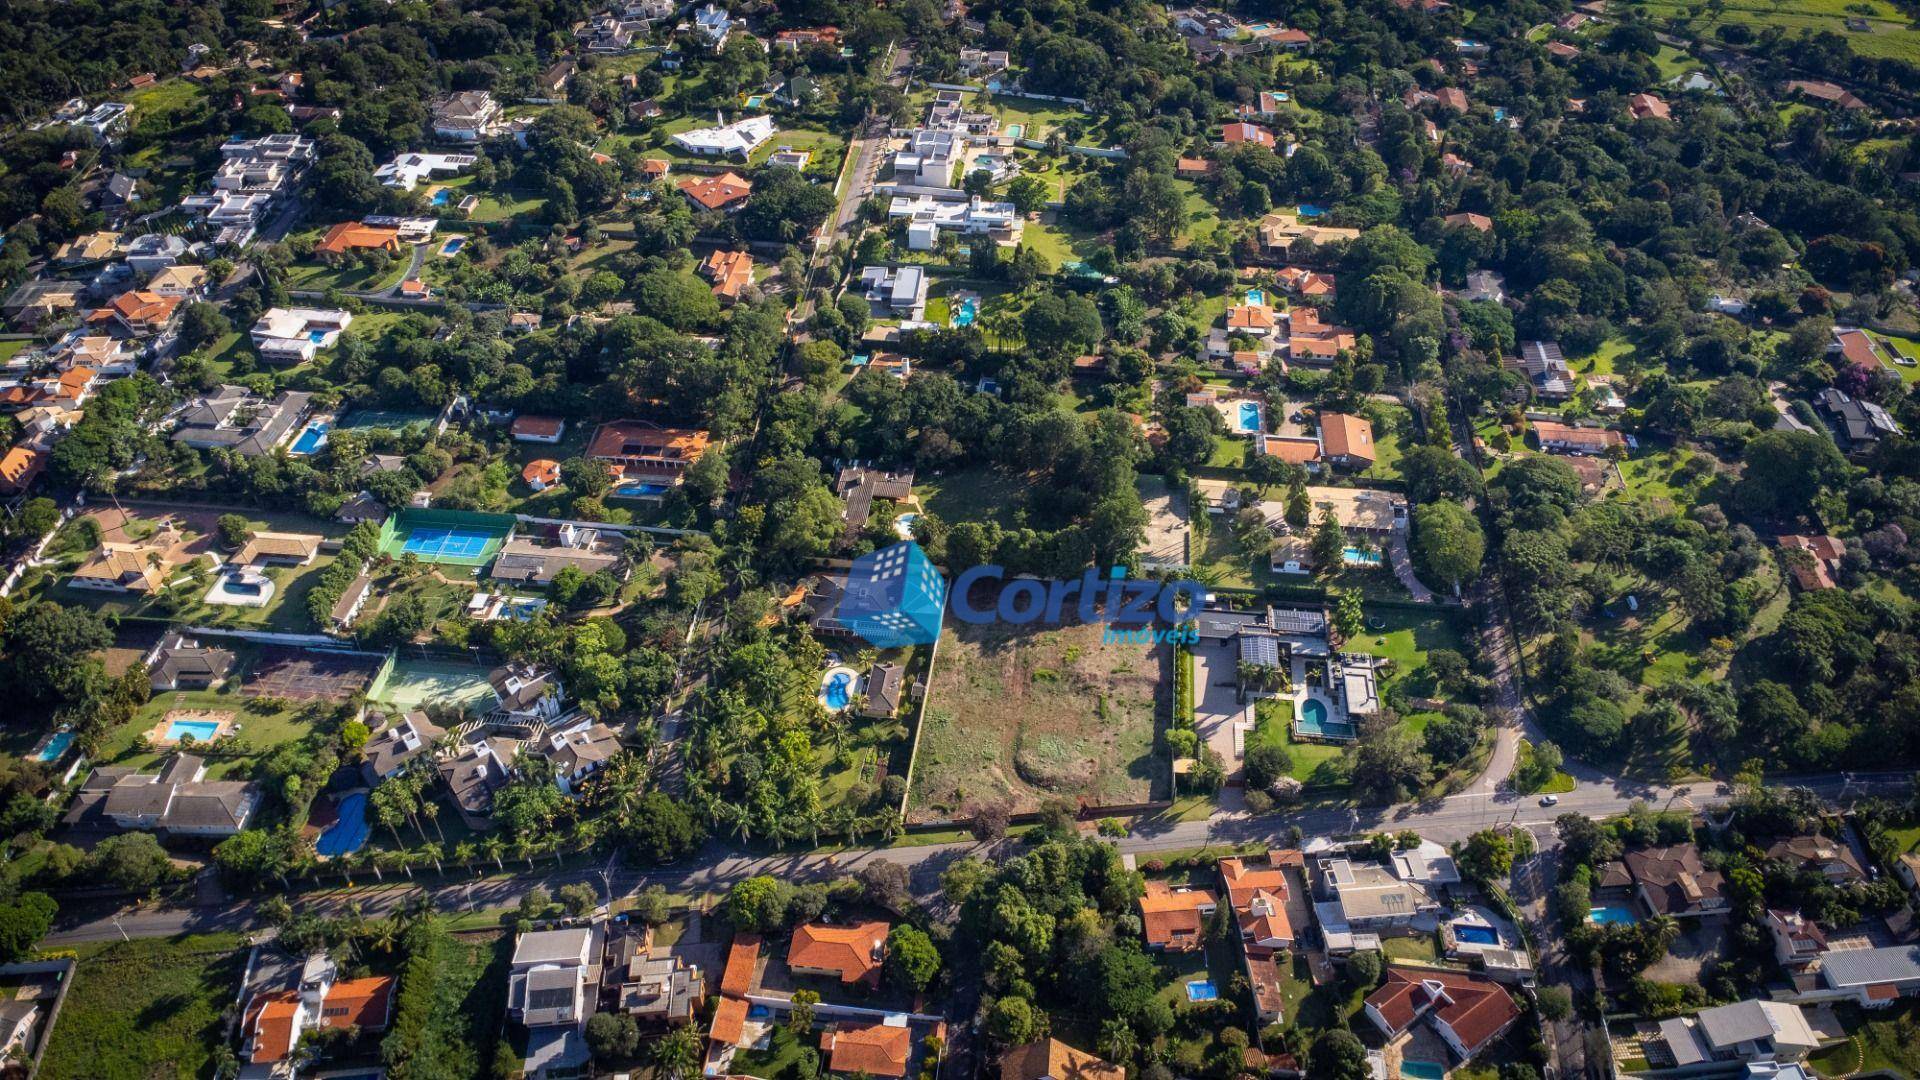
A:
(1314, 720)
(1202, 990)
(1257, 297)
(1249, 416)
(198, 730)
(346, 835)
(837, 691)
(1309, 210)
(966, 311)
(311, 439)
(644, 490)
(1474, 934)
(1422, 1070)
(317, 336)
(240, 586)
(1618, 914)
(441, 196)
(1354, 556)
(453, 246)
(56, 745)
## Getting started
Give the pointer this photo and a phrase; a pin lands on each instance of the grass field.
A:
(146, 1009)
(1058, 244)
(1889, 33)
(1316, 765)
(1888, 1043)
(1024, 714)
(981, 495)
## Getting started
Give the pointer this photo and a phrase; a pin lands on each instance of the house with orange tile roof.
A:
(1470, 220)
(1649, 107)
(729, 191)
(128, 568)
(20, 467)
(528, 427)
(643, 451)
(137, 314)
(351, 236)
(1254, 320)
(1175, 918)
(730, 272)
(276, 1019)
(1237, 133)
(1346, 440)
(729, 1028)
(1467, 1011)
(1051, 1059)
(880, 1050)
(1300, 281)
(541, 473)
(1257, 891)
(1192, 168)
(1813, 567)
(73, 387)
(1292, 449)
(850, 954)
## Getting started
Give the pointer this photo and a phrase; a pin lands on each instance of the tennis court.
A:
(451, 543)
(368, 419)
(306, 675)
(409, 684)
(451, 537)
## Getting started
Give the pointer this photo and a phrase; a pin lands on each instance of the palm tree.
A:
(465, 852)
(494, 847)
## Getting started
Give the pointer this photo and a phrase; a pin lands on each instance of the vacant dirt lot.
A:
(1019, 715)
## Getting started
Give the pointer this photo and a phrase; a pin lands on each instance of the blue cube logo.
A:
(895, 597)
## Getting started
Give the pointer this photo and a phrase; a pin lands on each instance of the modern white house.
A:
(738, 139)
(296, 335)
(926, 217)
(468, 116)
(407, 170)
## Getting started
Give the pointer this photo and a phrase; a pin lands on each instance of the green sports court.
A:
(409, 684)
(446, 537)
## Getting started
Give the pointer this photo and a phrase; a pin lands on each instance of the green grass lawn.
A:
(826, 147)
(285, 611)
(314, 275)
(982, 494)
(1602, 360)
(1418, 949)
(1058, 244)
(1392, 431)
(164, 102)
(11, 349)
(1889, 34)
(1883, 1043)
(1314, 764)
(1035, 117)
(1406, 635)
(146, 1009)
(1311, 1008)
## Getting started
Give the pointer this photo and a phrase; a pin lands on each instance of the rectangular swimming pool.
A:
(199, 730)
(1422, 1070)
(311, 438)
(56, 744)
(1612, 913)
(1475, 935)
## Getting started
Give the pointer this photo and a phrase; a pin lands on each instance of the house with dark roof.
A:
(237, 419)
(185, 664)
(884, 685)
(1858, 425)
(858, 485)
(655, 985)
(178, 800)
(1797, 940)
(1467, 1011)
(525, 693)
(553, 986)
(1671, 881)
(402, 740)
(1545, 367)
(579, 753)
(1832, 859)
(473, 773)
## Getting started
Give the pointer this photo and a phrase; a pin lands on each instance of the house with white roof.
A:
(713, 25)
(1745, 1031)
(926, 217)
(295, 335)
(738, 139)
(407, 170)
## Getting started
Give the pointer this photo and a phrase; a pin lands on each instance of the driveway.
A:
(1402, 560)
(1218, 714)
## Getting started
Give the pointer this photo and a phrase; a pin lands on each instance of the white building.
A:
(262, 165)
(468, 116)
(926, 217)
(105, 121)
(296, 335)
(407, 170)
(738, 139)
(928, 159)
(713, 25)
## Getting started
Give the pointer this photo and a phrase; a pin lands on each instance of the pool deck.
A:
(157, 734)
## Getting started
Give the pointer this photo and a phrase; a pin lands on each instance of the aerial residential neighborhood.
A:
(940, 539)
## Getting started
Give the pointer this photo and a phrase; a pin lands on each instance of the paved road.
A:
(1445, 820)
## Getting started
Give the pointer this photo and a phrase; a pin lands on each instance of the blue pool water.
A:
(311, 439)
(440, 197)
(56, 745)
(1257, 297)
(644, 490)
(316, 336)
(1499, 113)
(238, 586)
(836, 692)
(1016, 130)
(200, 730)
(347, 834)
(1309, 210)
(1249, 416)
(1358, 557)
(1201, 990)
(1612, 913)
(1315, 721)
(453, 246)
(1475, 935)
(967, 311)
(1422, 1070)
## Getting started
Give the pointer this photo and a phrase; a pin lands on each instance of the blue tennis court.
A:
(430, 543)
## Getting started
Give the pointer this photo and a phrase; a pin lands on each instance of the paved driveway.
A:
(1216, 705)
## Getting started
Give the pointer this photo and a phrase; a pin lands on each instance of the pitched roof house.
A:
(869, 1049)
(1467, 1011)
(1174, 918)
(1673, 881)
(851, 954)
(1051, 1059)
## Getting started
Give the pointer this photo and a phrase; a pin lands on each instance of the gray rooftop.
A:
(1865, 967)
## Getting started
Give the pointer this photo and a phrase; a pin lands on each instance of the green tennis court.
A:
(367, 419)
(447, 537)
(409, 684)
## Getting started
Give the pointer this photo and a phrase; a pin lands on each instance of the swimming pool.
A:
(1016, 130)
(1354, 556)
(197, 730)
(1422, 1070)
(312, 438)
(642, 490)
(348, 832)
(1202, 990)
(1475, 934)
(903, 525)
(240, 586)
(837, 688)
(1309, 210)
(440, 196)
(452, 247)
(1617, 914)
(56, 745)
(1314, 720)
(1257, 297)
(1250, 416)
(756, 101)
(967, 310)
